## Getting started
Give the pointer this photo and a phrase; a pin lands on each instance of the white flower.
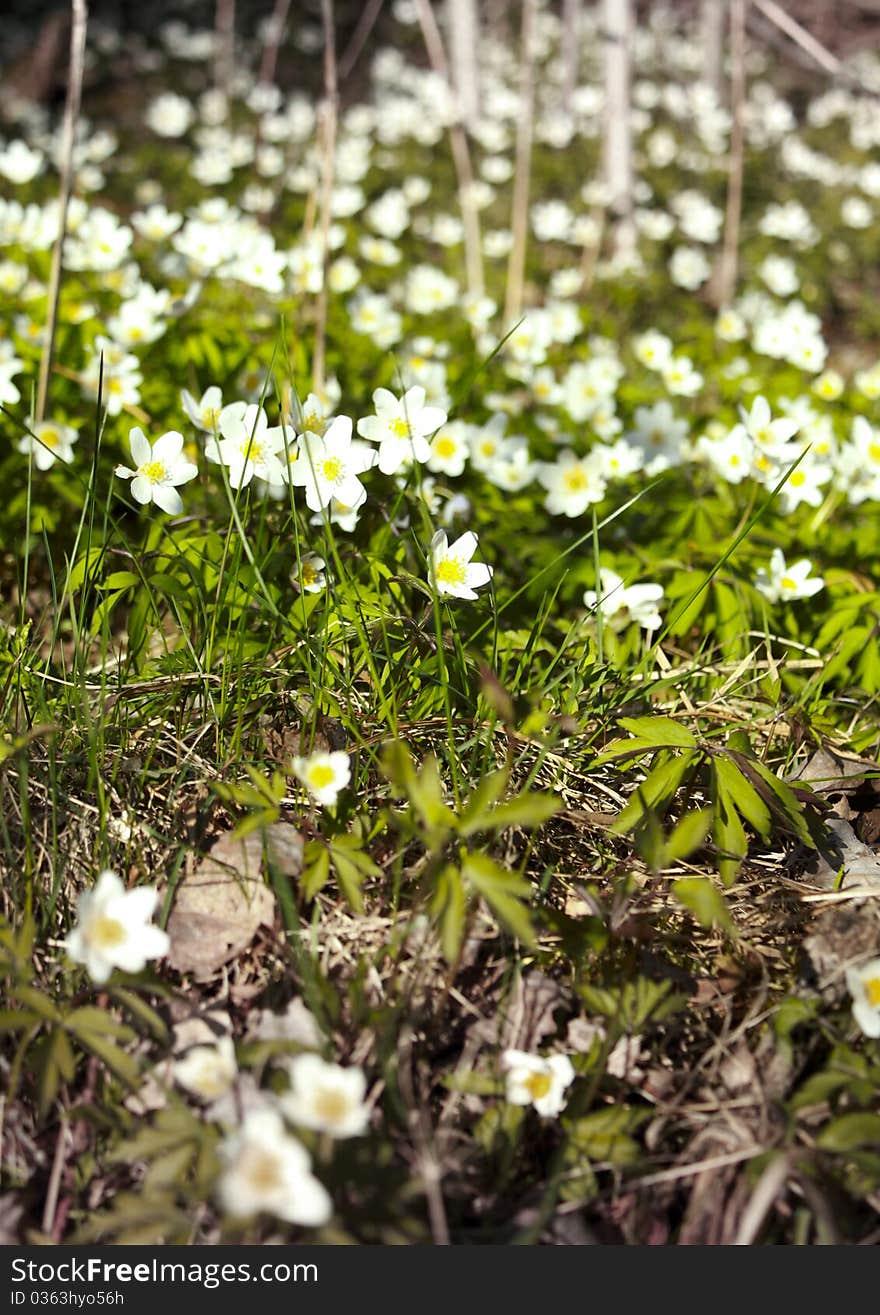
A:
(326, 1097)
(114, 930)
(653, 349)
(864, 987)
(159, 468)
(401, 427)
(533, 1080)
(572, 483)
(638, 601)
(169, 115)
(207, 1072)
(268, 1170)
(19, 163)
(769, 434)
(311, 577)
(205, 414)
(730, 456)
(49, 442)
(787, 582)
(689, 268)
(323, 774)
(449, 448)
(450, 569)
(328, 466)
(248, 447)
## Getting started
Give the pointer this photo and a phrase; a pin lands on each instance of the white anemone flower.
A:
(326, 1097)
(637, 602)
(248, 447)
(207, 1072)
(451, 570)
(205, 414)
(159, 468)
(114, 928)
(328, 466)
(49, 442)
(401, 427)
(267, 1170)
(323, 774)
(864, 987)
(534, 1080)
(782, 583)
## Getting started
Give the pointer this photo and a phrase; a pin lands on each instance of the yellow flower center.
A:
(262, 1172)
(50, 437)
(788, 583)
(874, 451)
(252, 450)
(331, 1106)
(450, 571)
(798, 478)
(210, 416)
(575, 480)
(538, 1085)
(399, 428)
(332, 468)
(320, 776)
(154, 471)
(445, 447)
(734, 460)
(308, 575)
(872, 991)
(106, 932)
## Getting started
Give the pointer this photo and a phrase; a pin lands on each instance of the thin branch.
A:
(224, 32)
(365, 25)
(571, 50)
(516, 263)
(725, 279)
(617, 136)
(328, 148)
(277, 26)
(799, 35)
(461, 156)
(71, 114)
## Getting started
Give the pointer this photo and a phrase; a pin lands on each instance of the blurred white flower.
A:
(534, 1080)
(268, 1170)
(781, 582)
(326, 1097)
(114, 928)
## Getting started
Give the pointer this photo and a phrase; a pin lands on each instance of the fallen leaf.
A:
(842, 849)
(219, 907)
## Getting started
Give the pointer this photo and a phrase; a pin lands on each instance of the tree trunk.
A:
(712, 41)
(617, 145)
(725, 280)
(516, 265)
(571, 50)
(464, 35)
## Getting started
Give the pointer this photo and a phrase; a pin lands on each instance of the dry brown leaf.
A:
(219, 906)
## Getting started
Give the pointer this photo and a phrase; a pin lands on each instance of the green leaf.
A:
(730, 838)
(708, 905)
(662, 732)
(121, 1065)
(316, 870)
(688, 835)
(850, 1131)
(655, 792)
(448, 906)
(503, 891)
(605, 1134)
(744, 797)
